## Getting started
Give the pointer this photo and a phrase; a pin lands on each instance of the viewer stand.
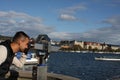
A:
(42, 49)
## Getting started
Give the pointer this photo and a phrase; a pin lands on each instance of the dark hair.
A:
(19, 35)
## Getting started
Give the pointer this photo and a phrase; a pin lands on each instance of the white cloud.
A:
(11, 21)
(68, 13)
(60, 35)
(114, 20)
(67, 17)
(110, 35)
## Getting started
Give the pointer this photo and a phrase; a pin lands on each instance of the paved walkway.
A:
(27, 75)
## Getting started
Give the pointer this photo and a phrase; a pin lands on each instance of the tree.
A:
(90, 48)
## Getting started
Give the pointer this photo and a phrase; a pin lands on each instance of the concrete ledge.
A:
(61, 77)
(27, 75)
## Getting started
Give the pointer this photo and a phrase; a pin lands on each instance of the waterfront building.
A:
(80, 43)
(91, 46)
(114, 47)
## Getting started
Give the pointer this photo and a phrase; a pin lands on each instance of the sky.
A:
(82, 20)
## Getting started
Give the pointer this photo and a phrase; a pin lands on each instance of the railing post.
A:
(42, 72)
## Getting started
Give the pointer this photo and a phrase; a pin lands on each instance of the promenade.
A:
(27, 75)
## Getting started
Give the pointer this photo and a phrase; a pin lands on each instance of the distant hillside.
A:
(5, 37)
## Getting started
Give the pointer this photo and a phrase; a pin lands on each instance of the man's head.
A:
(22, 39)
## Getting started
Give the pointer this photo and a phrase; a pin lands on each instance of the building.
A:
(91, 46)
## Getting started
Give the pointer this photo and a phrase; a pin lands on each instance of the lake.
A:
(83, 65)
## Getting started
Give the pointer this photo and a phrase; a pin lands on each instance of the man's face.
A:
(24, 44)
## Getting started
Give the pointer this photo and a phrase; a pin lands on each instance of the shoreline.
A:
(100, 52)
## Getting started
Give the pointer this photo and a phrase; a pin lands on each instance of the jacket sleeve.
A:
(19, 62)
(3, 54)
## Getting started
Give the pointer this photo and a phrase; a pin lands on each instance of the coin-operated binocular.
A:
(42, 48)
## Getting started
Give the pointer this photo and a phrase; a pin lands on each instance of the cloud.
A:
(68, 17)
(68, 13)
(108, 34)
(63, 35)
(12, 21)
(114, 20)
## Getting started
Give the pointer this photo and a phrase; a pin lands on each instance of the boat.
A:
(107, 59)
(31, 61)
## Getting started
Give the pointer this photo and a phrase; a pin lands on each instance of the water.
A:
(83, 65)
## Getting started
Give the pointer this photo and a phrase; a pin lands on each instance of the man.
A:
(8, 49)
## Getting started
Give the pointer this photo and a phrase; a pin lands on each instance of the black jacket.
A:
(4, 67)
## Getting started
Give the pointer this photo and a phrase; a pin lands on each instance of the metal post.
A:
(42, 72)
(34, 73)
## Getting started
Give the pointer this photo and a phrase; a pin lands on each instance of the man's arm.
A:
(3, 54)
(19, 62)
